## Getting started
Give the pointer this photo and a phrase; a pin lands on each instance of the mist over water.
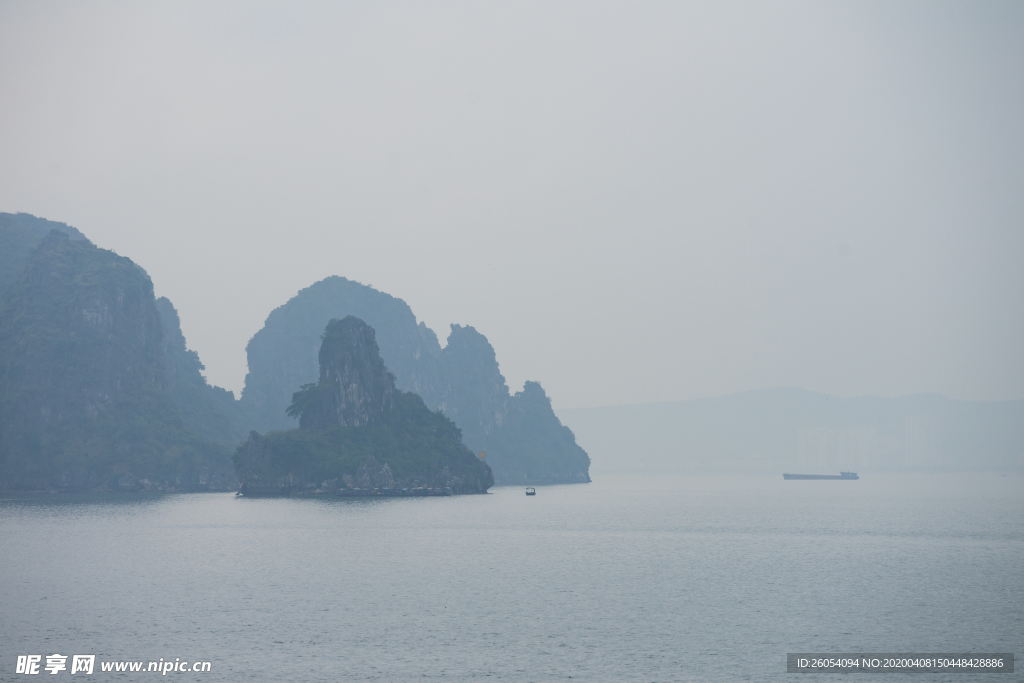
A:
(628, 578)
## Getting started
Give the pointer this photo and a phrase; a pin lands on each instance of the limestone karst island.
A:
(346, 391)
(358, 433)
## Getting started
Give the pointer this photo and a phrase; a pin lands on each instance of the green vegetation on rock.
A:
(358, 430)
(283, 355)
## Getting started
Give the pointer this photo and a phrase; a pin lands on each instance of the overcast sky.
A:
(635, 202)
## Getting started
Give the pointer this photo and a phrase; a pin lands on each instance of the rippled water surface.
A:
(646, 579)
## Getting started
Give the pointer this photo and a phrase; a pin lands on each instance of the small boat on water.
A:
(530, 491)
(844, 476)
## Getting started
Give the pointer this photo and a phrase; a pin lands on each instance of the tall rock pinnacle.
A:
(355, 389)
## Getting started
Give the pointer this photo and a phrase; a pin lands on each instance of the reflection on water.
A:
(630, 578)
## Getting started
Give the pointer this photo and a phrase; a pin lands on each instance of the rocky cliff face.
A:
(355, 389)
(20, 233)
(472, 390)
(531, 446)
(83, 388)
(210, 412)
(358, 431)
(463, 380)
(283, 355)
(80, 327)
(524, 441)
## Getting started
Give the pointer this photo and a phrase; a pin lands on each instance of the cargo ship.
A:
(850, 476)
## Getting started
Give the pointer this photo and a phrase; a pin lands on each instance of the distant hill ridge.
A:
(771, 430)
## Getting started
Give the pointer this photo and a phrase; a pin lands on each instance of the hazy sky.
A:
(634, 201)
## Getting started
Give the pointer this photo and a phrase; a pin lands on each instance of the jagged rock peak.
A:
(473, 391)
(355, 389)
(283, 355)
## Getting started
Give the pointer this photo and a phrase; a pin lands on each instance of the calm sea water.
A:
(645, 579)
